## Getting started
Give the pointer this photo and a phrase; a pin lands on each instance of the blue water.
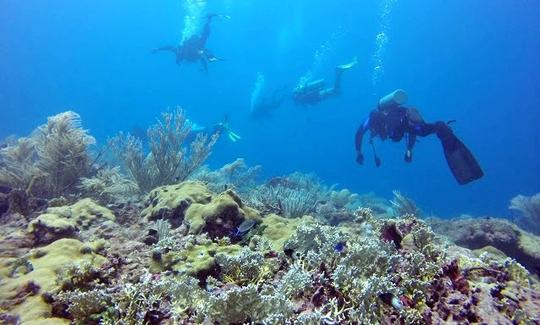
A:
(472, 61)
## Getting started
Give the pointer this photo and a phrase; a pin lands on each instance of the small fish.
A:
(340, 247)
(244, 227)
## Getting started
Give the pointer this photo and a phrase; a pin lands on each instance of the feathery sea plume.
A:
(170, 159)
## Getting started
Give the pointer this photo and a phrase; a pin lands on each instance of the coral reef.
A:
(402, 205)
(220, 249)
(108, 186)
(21, 291)
(293, 196)
(170, 159)
(51, 161)
(64, 221)
(236, 175)
(477, 233)
(529, 209)
(192, 204)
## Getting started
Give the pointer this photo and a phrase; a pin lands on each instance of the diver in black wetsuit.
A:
(394, 121)
(194, 48)
(314, 92)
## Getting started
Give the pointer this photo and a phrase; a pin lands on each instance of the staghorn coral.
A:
(248, 304)
(50, 162)
(315, 244)
(296, 281)
(529, 209)
(170, 159)
(83, 306)
(244, 268)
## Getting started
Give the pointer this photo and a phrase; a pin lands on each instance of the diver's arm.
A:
(358, 141)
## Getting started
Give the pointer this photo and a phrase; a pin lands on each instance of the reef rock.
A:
(477, 233)
(65, 221)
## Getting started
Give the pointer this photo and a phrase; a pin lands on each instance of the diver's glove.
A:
(408, 156)
(360, 158)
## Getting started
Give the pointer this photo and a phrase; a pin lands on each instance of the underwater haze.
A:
(269, 162)
(475, 62)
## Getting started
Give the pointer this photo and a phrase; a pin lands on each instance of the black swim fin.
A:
(461, 161)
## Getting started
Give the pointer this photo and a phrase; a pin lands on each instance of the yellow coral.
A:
(46, 265)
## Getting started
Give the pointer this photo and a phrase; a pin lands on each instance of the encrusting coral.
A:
(21, 293)
(61, 222)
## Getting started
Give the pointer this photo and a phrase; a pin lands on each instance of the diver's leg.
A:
(424, 129)
(206, 30)
(337, 82)
(339, 72)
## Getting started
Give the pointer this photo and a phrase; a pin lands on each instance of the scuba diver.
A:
(313, 92)
(219, 128)
(265, 106)
(194, 48)
(393, 120)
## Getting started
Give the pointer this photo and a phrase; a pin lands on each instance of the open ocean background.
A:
(473, 61)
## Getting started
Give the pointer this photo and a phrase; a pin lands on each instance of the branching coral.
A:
(83, 305)
(246, 267)
(248, 304)
(529, 207)
(296, 281)
(170, 159)
(52, 161)
(316, 244)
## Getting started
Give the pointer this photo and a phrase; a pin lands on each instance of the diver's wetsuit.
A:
(194, 48)
(398, 121)
(314, 92)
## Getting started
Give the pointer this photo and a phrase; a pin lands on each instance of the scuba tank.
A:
(393, 99)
